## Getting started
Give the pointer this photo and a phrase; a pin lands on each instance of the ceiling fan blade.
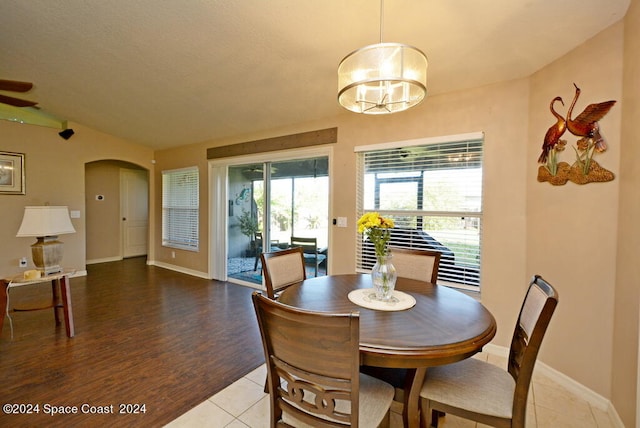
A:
(16, 101)
(15, 86)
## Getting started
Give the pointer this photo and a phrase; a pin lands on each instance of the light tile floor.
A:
(244, 404)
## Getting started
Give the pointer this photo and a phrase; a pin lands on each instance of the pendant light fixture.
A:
(382, 78)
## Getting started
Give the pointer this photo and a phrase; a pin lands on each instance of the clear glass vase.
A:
(383, 275)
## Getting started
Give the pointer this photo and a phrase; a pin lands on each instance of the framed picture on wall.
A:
(12, 173)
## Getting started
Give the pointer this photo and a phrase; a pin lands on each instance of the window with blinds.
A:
(433, 192)
(180, 203)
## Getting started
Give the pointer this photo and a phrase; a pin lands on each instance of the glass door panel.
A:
(311, 210)
(244, 223)
(299, 207)
(295, 202)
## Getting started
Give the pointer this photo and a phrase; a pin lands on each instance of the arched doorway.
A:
(117, 210)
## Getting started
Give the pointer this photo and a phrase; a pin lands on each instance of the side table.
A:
(60, 302)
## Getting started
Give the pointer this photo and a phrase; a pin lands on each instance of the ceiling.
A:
(175, 72)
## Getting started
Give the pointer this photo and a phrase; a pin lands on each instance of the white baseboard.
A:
(104, 260)
(180, 269)
(570, 384)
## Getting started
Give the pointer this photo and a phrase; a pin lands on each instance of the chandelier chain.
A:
(381, 18)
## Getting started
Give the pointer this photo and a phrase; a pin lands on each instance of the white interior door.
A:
(134, 209)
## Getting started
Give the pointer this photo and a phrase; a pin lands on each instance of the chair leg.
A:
(425, 412)
(434, 418)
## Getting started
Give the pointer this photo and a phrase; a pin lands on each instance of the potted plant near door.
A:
(249, 227)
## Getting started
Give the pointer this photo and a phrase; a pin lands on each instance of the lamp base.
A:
(47, 254)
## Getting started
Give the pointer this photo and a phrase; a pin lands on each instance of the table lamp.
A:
(46, 223)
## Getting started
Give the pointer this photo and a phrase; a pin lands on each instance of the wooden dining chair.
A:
(482, 392)
(310, 251)
(282, 269)
(416, 263)
(312, 363)
(259, 247)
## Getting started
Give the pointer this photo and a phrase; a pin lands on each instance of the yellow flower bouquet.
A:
(377, 229)
(383, 273)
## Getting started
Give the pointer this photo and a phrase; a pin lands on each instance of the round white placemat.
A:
(366, 297)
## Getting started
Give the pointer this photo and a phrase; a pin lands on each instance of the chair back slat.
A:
(308, 245)
(310, 250)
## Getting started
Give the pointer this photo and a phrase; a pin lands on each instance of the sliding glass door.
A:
(269, 204)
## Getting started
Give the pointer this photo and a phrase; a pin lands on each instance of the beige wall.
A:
(55, 174)
(572, 229)
(625, 315)
(102, 218)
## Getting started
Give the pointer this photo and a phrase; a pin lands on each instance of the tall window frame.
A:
(181, 208)
(433, 193)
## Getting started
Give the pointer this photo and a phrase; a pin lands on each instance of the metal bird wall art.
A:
(585, 126)
(552, 137)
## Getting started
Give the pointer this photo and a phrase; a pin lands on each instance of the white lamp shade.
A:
(382, 78)
(45, 221)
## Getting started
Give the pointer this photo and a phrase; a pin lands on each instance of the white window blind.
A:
(180, 203)
(433, 192)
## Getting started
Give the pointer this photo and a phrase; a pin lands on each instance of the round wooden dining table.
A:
(444, 326)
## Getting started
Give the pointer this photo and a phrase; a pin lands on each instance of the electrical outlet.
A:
(23, 262)
(173, 254)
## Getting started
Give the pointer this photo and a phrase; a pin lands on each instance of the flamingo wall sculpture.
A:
(585, 126)
(554, 133)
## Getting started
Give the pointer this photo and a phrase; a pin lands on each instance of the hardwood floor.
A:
(144, 336)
